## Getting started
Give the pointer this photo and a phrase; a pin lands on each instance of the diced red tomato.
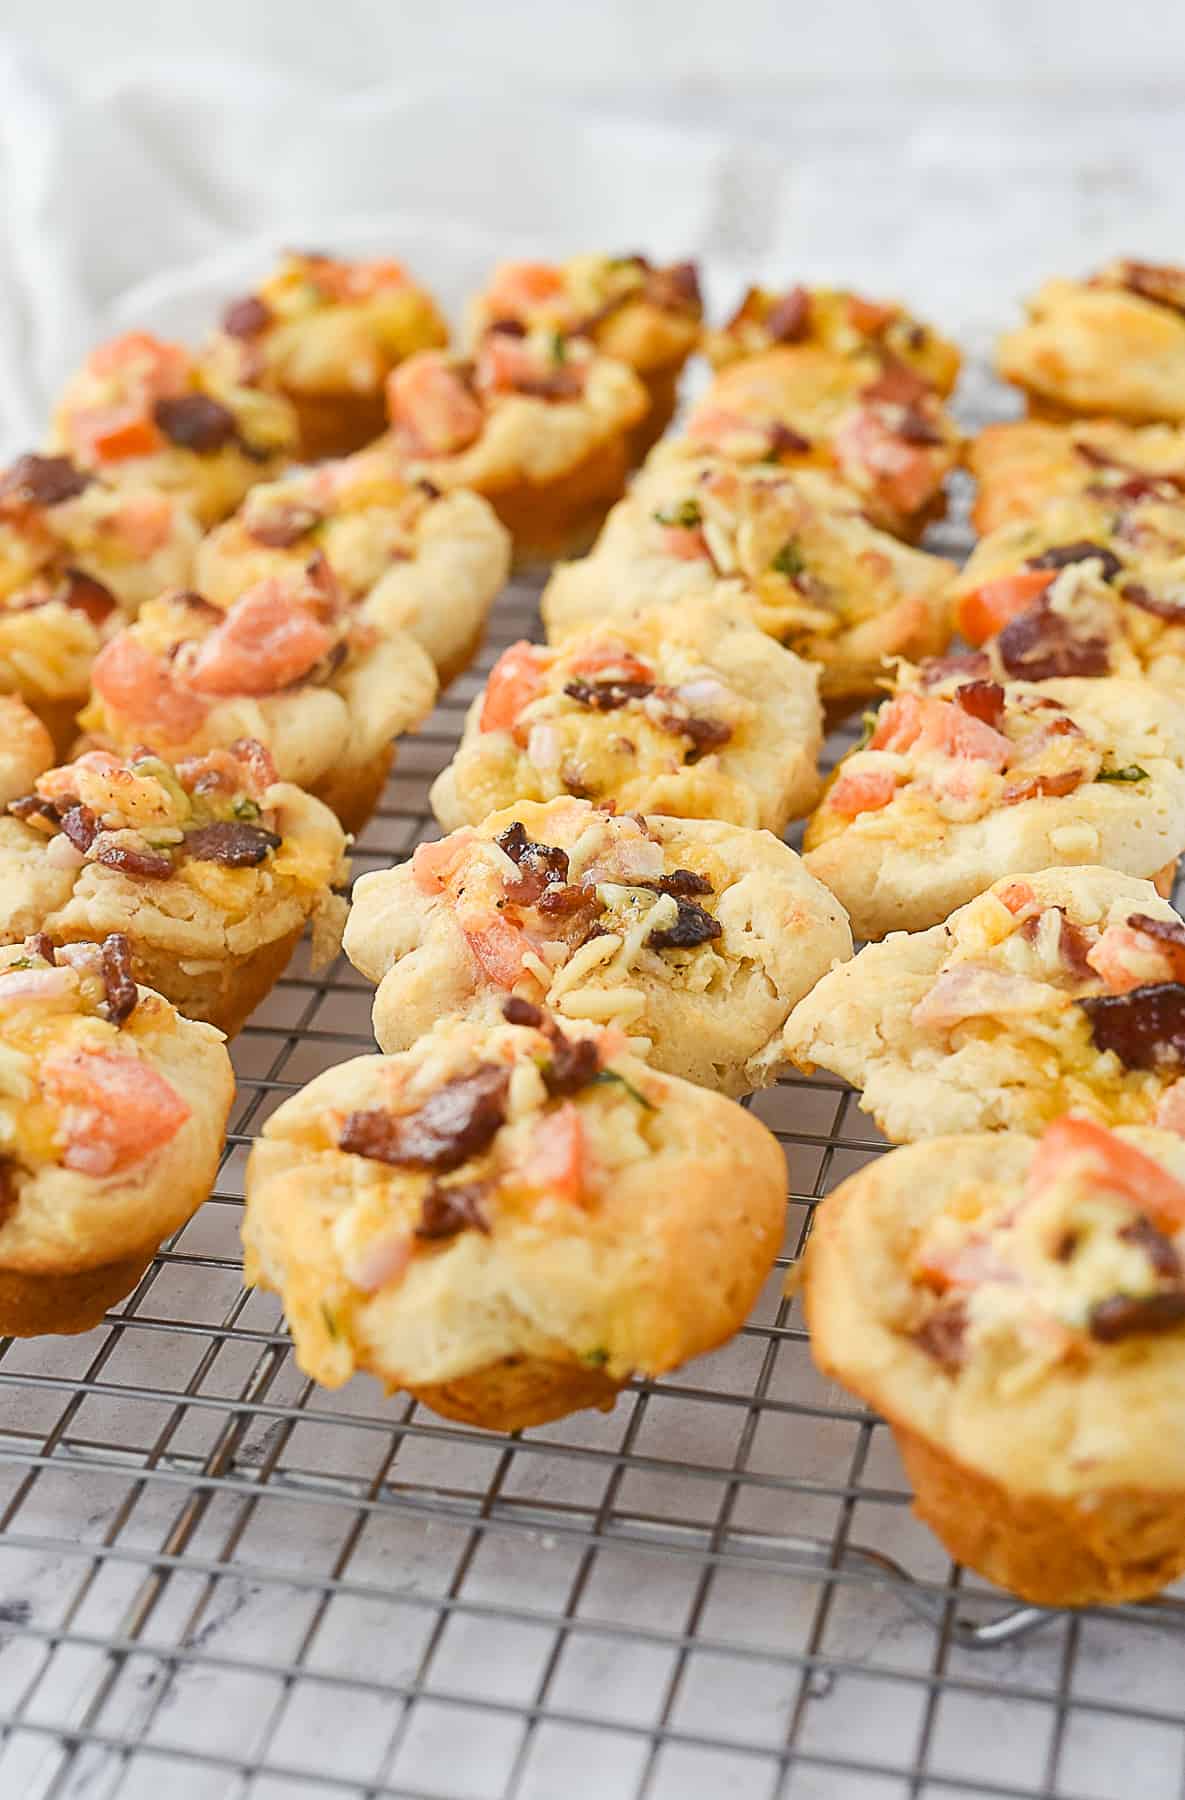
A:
(357, 280)
(861, 791)
(1170, 1110)
(624, 664)
(912, 722)
(905, 474)
(430, 402)
(1016, 896)
(156, 368)
(506, 362)
(1114, 1164)
(869, 316)
(499, 946)
(555, 1163)
(433, 865)
(518, 287)
(137, 684)
(1126, 959)
(987, 609)
(265, 642)
(897, 724)
(145, 522)
(114, 433)
(515, 679)
(116, 1109)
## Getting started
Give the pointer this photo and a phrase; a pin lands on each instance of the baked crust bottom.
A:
(337, 424)
(520, 1391)
(1119, 1544)
(225, 995)
(662, 384)
(34, 1305)
(560, 518)
(60, 718)
(353, 791)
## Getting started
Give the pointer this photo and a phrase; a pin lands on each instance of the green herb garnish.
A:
(604, 1075)
(559, 347)
(789, 560)
(596, 1359)
(687, 514)
(868, 726)
(1132, 772)
(330, 1321)
(244, 808)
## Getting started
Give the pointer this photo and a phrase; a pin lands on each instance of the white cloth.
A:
(159, 192)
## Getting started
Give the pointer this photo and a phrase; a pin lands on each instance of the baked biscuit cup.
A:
(329, 731)
(1057, 1478)
(325, 332)
(538, 426)
(212, 886)
(793, 551)
(576, 1238)
(143, 412)
(836, 319)
(645, 316)
(427, 563)
(1021, 466)
(884, 434)
(47, 650)
(1052, 992)
(688, 711)
(1114, 344)
(26, 748)
(940, 804)
(113, 1145)
(703, 985)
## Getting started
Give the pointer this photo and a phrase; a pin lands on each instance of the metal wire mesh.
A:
(221, 1583)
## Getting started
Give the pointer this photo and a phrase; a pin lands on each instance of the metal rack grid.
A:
(222, 1583)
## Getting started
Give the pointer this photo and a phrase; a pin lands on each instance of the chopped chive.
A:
(1132, 772)
(605, 1075)
(789, 560)
(687, 514)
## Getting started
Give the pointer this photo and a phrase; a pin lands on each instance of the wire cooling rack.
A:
(218, 1582)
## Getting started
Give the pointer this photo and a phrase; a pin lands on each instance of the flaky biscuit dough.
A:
(715, 1018)
(905, 867)
(763, 777)
(1098, 349)
(1019, 467)
(1070, 1491)
(557, 1303)
(856, 1022)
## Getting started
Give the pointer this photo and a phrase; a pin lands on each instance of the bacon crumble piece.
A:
(455, 1123)
(284, 525)
(150, 865)
(983, 700)
(1063, 556)
(1041, 645)
(1145, 1027)
(1162, 283)
(79, 824)
(1126, 1315)
(233, 843)
(247, 317)
(606, 696)
(82, 593)
(900, 385)
(788, 320)
(1160, 1250)
(517, 1011)
(693, 927)
(39, 943)
(1136, 594)
(449, 1210)
(41, 481)
(196, 422)
(118, 983)
(540, 866)
(943, 1335)
(681, 884)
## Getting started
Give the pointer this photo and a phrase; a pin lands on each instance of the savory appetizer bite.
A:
(961, 781)
(1112, 343)
(693, 936)
(643, 314)
(143, 412)
(1050, 993)
(62, 527)
(112, 1115)
(322, 685)
(792, 551)
(882, 431)
(325, 332)
(1084, 587)
(836, 319)
(1022, 466)
(26, 748)
(538, 423)
(687, 710)
(209, 868)
(1016, 1310)
(428, 563)
(510, 1219)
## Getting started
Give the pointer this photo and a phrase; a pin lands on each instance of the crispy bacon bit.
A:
(232, 843)
(118, 983)
(554, 384)
(705, 734)
(455, 1123)
(1162, 283)
(150, 865)
(195, 422)
(973, 666)
(692, 927)
(448, 1210)
(256, 759)
(79, 824)
(32, 806)
(574, 1062)
(944, 1336)
(916, 428)
(82, 593)
(1062, 556)
(681, 883)
(785, 441)
(788, 319)
(899, 385)
(284, 525)
(1039, 645)
(1126, 1316)
(607, 696)
(247, 317)
(1136, 594)
(517, 1011)
(675, 288)
(1144, 1027)
(41, 481)
(1159, 1249)
(39, 943)
(1043, 787)
(1072, 946)
(984, 700)
(540, 865)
